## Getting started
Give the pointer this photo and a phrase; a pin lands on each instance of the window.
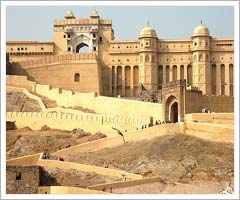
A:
(100, 39)
(69, 36)
(25, 48)
(64, 36)
(153, 58)
(42, 48)
(146, 58)
(77, 77)
(11, 49)
(18, 176)
(94, 48)
(206, 43)
(69, 49)
(94, 35)
(195, 44)
(21, 48)
(18, 49)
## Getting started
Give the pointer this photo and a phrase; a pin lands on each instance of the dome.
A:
(201, 30)
(69, 15)
(94, 14)
(148, 32)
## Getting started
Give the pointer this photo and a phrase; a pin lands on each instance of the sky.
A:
(170, 22)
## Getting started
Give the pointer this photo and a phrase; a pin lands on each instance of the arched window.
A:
(77, 77)
(153, 58)
(195, 58)
(207, 57)
(147, 58)
(200, 57)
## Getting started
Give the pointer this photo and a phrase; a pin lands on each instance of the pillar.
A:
(110, 82)
(185, 72)
(123, 82)
(115, 81)
(170, 73)
(218, 78)
(131, 83)
(164, 74)
(178, 72)
(227, 81)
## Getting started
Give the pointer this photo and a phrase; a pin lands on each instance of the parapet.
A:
(65, 58)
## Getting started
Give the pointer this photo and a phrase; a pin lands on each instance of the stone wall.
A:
(154, 96)
(89, 122)
(195, 102)
(67, 190)
(21, 82)
(22, 179)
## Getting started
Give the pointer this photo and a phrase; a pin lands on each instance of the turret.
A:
(148, 58)
(201, 42)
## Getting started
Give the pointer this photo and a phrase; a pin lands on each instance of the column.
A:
(123, 82)
(185, 72)
(218, 78)
(227, 81)
(170, 73)
(178, 72)
(131, 83)
(110, 82)
(115, 81)
(164, 74)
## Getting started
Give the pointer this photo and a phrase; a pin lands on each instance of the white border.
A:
(122, 3)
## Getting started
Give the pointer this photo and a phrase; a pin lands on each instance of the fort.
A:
(187, 85)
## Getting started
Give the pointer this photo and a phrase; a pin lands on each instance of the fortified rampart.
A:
(88, 122)
(67, 190)
(195, 102)
(57, 59)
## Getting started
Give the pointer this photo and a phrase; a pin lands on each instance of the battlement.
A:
(66, 58)
(84, 21)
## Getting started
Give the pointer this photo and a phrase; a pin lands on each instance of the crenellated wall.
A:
(56, 59)
(101, 104)
(66, 121)
(195, 102)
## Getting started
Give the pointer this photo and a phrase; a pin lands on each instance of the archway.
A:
(82, 48)
(171, 109)
(174, 112)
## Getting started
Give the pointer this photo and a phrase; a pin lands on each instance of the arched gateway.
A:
(171, 109)
(173, 101)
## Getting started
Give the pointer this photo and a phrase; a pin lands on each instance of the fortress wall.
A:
(61, 75)
(123, 184)
(66, 190)
(213, 132)
(87, 168)
(25, 160)
(124, 107)
(53, 59)
(148, 133)
(218, 103)
(20, 81)
(222, 118)
(66, 121)
(195, 102)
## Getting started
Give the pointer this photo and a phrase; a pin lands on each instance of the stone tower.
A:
(201, 59)
(148, 58)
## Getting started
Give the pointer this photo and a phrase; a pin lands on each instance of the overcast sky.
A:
(36, 22)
